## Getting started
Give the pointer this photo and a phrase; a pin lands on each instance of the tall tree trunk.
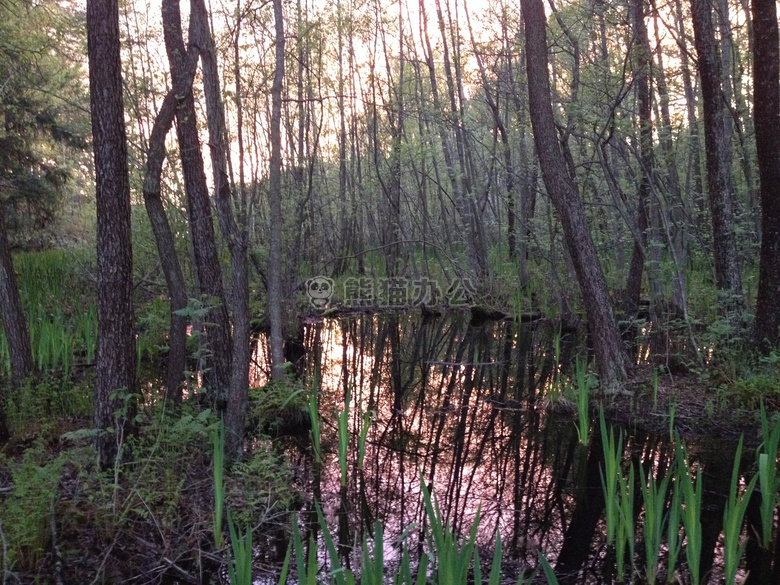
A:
(344, 236)
(678, 234)
(116, 356)
(640, 49)
(766, 105)
(234, 232)
(694, 172)
(604, 334)
(166, 247)
(727, 274)
(459, 183)
(207, 268)
(12, 314)
(506, 150)
(275, 195)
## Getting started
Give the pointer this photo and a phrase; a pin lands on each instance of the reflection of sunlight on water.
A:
(431, 416)
(459, 405)
(259, 366)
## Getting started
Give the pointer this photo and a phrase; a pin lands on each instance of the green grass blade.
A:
(548, 570)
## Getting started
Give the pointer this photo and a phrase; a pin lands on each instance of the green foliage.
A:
(674, 543)
(750, 391)
(733, 516)
(343, 426)
(372, 571)
(691, 493)
(366, 425)
(26, 511)
(153, 324)
(452, 559)
(307, 567)
(654, 496)
(240, 567)
(315, 425)
(44, 115)
(164, 484)
(584, 384)
(48, 405)
(257, 489)
(625, 531)
(61, 314)
(279, 406)
(768, 479)
(613, 452)
(218, 448)
(549, 574)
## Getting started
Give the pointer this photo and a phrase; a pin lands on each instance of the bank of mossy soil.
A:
(697, 405)
(149, 520)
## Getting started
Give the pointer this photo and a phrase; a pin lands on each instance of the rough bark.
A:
(116, 355)
(641, 64)
(12, 314)
(275, 188)
(694, 154)
(605, 337)
(766, 104)
(678, 231)
(727, 274)
(207, 269)
(506, 150)
(454, 156)
(166, 247)
(235, 232)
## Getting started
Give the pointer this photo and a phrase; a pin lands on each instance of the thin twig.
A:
(55, 548)
(5, 553)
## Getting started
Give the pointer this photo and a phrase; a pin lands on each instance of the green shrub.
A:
(26, 511)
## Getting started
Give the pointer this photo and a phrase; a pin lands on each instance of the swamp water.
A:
(470, 408)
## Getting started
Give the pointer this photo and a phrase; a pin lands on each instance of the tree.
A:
(727, 273)
(41, 124)
(116, 353)
(275, 195)
(766, 104)
(640, 48)
(605, 337)
(12, 314)
(177, 337)
(204, 247)
(235, 232)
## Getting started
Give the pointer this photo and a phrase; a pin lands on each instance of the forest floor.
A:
(697, 408)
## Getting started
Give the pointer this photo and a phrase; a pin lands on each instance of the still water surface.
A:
(466, 407)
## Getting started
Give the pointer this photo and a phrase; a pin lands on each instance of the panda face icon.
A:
(319, 290)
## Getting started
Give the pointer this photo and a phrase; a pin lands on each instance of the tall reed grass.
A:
(613, 451)
(624, 539)
(691, 513)
(60, 310)
(654, 497)
(218, 450)
(768, 477)
(733, 516)
(583, 414)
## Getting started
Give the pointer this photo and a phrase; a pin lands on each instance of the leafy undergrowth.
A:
(149, 519)
(703, 403)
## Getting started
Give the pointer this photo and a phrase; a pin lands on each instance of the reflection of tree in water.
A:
(461, 405)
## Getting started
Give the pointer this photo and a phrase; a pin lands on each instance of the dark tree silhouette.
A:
(207, 268)
(605, 337)
(766, 103)
(116, 354)
(727, 274)
(14, 322)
